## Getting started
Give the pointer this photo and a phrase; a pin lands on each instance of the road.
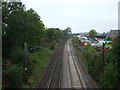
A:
(66, 70)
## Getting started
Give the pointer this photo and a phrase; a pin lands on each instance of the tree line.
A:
(21, 26)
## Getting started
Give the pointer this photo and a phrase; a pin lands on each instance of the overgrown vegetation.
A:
(38, 62)
(18, 27)
(111, 74)
(106, 73)
(75, 41)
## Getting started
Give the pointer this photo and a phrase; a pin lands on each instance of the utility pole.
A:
(25, 61)
(102, 60)
(103, 57)
(0, 45)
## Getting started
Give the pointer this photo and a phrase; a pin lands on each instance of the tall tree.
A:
(92, 33)
(7, 10)
(49, 34)
(20, 26)
(68, 30)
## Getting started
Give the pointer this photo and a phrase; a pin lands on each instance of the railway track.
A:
(56, 73)
(76, 78)
(52, 76)
(64, 67)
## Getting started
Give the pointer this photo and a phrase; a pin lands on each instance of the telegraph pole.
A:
(103, 57)
(102, 60)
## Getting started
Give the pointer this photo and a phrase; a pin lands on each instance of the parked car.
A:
(83, 43)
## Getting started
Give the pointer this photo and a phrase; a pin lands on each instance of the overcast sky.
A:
(79, 15)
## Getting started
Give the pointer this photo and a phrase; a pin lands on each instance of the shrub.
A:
(109, 77)
(14, 77)
(17, 55)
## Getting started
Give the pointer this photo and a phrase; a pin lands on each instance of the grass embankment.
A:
(39, 61)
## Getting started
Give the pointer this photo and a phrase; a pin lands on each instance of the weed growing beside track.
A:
(39, 60)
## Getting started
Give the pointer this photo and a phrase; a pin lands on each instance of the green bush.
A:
(109, 77)
(75, 41)
(14, 76)
(17, 55)
(93, 62)
(52, 46)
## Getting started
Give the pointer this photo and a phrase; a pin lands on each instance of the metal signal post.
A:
(25, 60)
